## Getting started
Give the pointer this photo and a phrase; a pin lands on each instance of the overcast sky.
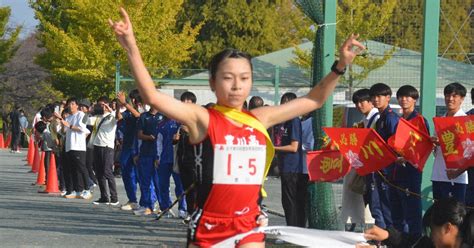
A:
(21, 14)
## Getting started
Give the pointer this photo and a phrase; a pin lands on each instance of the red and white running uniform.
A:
(230, 166)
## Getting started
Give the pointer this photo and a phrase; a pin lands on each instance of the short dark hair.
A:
(380, 89)
(408, 91)
(103, 99)
(472, 95)
(288, 96)
(72, 99)
(361, 95)
(46, 113)
(255, 102)
(225, 54)
(133, 94)
(40, 126)
(455, 88)
(188, 95)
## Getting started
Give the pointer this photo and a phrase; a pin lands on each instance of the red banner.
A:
(411, 143)
(419, 123)
(326, 165)
(363, 148)
(456, 138)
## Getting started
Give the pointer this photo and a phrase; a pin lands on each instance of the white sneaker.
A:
(71, 195)
(170, 214)
(130, 206)
(63, 193)
(143, 211)
(182, 214)
(86, 194)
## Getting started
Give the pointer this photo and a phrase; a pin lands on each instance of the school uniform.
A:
(406, 208)
(148, 154)
(128, 128)
(165, 170)
(378, 195)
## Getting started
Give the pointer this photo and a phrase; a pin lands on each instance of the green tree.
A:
(256, 27)
(456, 33)
(366, 17)
(8, 36)
(81, 49)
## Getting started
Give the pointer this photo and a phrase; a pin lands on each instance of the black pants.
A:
(47, 161)
(293, 198)
(77, 165)
(23, 140)
(90, 165)
(60, 170)
(104, 167)
(187, 172)
(15, 143)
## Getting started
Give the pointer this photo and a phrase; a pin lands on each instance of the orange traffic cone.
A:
(36, 160)
(31, 152)
(2, 143)
(52, 182)
(40, 180)
(9, 139)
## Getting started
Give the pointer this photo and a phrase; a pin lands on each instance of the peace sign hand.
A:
(123, 31)
(350, 49)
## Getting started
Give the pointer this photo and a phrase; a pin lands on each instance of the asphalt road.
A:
(31, 219)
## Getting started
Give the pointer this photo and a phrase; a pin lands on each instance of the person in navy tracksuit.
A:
(165, 170)
(148, 159)
(406, 208)
(378, 195)
(128, 123)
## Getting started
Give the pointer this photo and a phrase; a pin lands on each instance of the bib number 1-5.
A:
(237, 164)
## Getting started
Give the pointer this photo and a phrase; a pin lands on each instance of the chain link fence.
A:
(274, 74)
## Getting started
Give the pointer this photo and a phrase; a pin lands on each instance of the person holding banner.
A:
(406, 208)
(470, 171)
(353, 203)
(232, 170)
(378, 195)
(449, 182)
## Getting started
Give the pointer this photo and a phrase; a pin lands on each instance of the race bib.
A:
(239, 164)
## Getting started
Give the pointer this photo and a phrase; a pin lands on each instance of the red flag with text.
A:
(363, 148)
(411, 143)
(456, 138)
(326, 165)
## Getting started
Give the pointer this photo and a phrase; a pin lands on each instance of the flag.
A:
(326, 165)
(363, 148)
(419, 122)
(456, 138)
(411, 143)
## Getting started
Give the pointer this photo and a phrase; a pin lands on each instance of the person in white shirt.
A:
(353, 204)
(104, 143)
(449, 182)
(76, 133)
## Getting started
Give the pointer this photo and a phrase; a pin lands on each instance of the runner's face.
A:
(233, 82)
(453, 101)
(364, 107)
